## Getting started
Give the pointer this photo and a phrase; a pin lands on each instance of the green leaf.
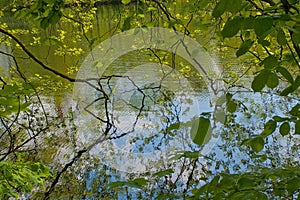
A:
(273, 80)
(126, 25)
(281, 39)
(201, 131)
(163, 173)
(284, 129)
(269, 62)
(232, 27)
(174, 126)
(125, 2)
(54, 17)
(257, 144)
(245, 183)
(219, 9)
(279, 119)
(297, 127)
(293, 185)
(287, 91)
(262, 25)
(231, 106)
(44, 23)
(295, 111)
(285, 73)
(244, 48)
(190, 154)
(260, 81)
(269, 128)
(296, 36)
(248, 23)
(252, 194)
(234, 6)
(220, 116)
(265, 43)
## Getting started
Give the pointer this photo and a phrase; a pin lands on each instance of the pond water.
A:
(150, 108)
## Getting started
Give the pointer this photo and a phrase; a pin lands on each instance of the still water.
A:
(152, 107)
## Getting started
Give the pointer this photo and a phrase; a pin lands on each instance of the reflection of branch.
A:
(25, 80)
(194, 165)
(75, 158)
(169, 15)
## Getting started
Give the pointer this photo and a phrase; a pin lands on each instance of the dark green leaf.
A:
(174, 126)
(232, 27)
(244, 48)
(248, 23)
(262, 25)
(252, 194)
(231, 106)
(190, 154)
(260, 81)
(287, 91)
(279, 119)
(126, 25)
(233, 6)
(269, 62)
(245, 183)
(44, 23)
(295, 111)
(54, 18)
(265, 43)
(285, 73)
(273, 80)
(284, 128)
(293, 185)
(296, 36)
(297, 82)
(201, 131)
(297, 127)
(269, 128)
(281, 39)
(219, 9)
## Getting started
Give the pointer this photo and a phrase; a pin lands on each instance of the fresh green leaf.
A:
(125, 2)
